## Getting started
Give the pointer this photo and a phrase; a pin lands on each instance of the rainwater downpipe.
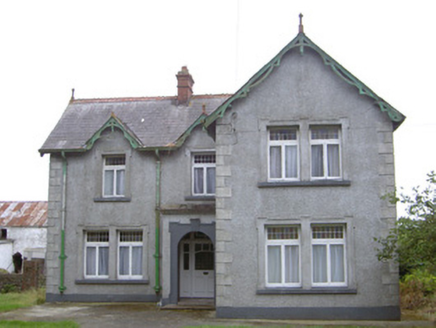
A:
(157, 286)
(62, 257)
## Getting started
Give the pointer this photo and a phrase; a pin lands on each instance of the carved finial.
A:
(72, 94)
(301, 27)
(204, 109)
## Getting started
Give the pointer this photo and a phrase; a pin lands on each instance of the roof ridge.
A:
(132, 99)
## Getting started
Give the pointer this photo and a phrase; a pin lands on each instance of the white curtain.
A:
(317, 161)
(333, 160)
(109, 182)
(103, 261)
(210, 180)
(120, 182)
(137, 260)
(319, 263)
(274, 264)
(337, 263)
(124, 260)
(291, 161)
(275, 162)
(198, 180)
(90, 261)
(291, 264)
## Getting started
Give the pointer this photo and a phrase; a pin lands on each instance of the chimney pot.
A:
(185, 83)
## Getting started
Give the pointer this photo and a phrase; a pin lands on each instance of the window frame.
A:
(130, 245)
(204, 167)
(325, 143)
(97, 245)
(328, 242)
(283, 144)
(115, 169)
(283, 243)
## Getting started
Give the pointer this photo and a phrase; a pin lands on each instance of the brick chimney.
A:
(184, 86)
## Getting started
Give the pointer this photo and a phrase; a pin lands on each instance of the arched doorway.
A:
(196, 266)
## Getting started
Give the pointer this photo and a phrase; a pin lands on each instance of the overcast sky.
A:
(135, 48)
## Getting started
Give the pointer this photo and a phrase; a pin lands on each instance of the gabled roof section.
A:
(301, 41)
(23, 214)
(111, 124)
(147, 122)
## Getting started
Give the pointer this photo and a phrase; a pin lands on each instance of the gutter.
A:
(62, 257)
(157, 286)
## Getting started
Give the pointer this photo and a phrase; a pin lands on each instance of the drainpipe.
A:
(157, 286)
(62, 257)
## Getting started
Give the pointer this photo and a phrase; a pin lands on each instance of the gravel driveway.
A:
(126, 315)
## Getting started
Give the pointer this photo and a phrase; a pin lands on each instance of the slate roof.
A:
(154, 121)
(23, 214)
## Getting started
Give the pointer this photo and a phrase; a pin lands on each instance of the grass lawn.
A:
(13, 301)
(38, 324)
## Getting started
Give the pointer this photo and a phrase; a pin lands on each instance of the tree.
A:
(413, 240)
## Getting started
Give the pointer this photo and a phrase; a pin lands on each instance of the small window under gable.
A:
(114, 171)
(4, 234)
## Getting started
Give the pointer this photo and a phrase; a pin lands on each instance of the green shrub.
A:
(417, 289)
(8, 288)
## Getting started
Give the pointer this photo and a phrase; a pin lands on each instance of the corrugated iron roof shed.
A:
(156, 121)
(23, 214)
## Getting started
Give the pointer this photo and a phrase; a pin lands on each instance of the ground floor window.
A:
(97, 254)
(283, 256)
(328, 255)
(318, 249)
(130, 254)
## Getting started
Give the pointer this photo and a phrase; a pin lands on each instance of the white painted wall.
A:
(6, 255)
(30, 242)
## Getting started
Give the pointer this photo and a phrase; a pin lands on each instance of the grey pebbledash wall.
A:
(303, 92)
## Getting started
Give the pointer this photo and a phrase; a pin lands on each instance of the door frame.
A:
(178, 231)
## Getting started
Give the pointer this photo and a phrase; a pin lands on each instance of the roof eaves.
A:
(301, 41)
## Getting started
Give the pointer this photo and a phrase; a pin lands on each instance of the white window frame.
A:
(97, 245)
(328, 242)
(116, 169)
(204, 167)
(130, 244)
(283, 144)
(325, 143)
(283, 243)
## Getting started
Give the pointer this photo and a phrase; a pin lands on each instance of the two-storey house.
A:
(265, 201)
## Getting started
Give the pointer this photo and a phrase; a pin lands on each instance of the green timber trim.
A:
(112, 123)
(301, 41)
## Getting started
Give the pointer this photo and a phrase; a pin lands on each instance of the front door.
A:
(197, 261)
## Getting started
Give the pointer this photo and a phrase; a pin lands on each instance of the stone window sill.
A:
(312, 183)
(112, 199)
(200, 198)
(111, 282)
(299, 291)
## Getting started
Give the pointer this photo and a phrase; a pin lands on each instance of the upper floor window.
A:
(283, 153)
(97, 254)
(328, 255)
(325, 152)
(283, 256)
(203, 174)
(114, 171)
(130, 254)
